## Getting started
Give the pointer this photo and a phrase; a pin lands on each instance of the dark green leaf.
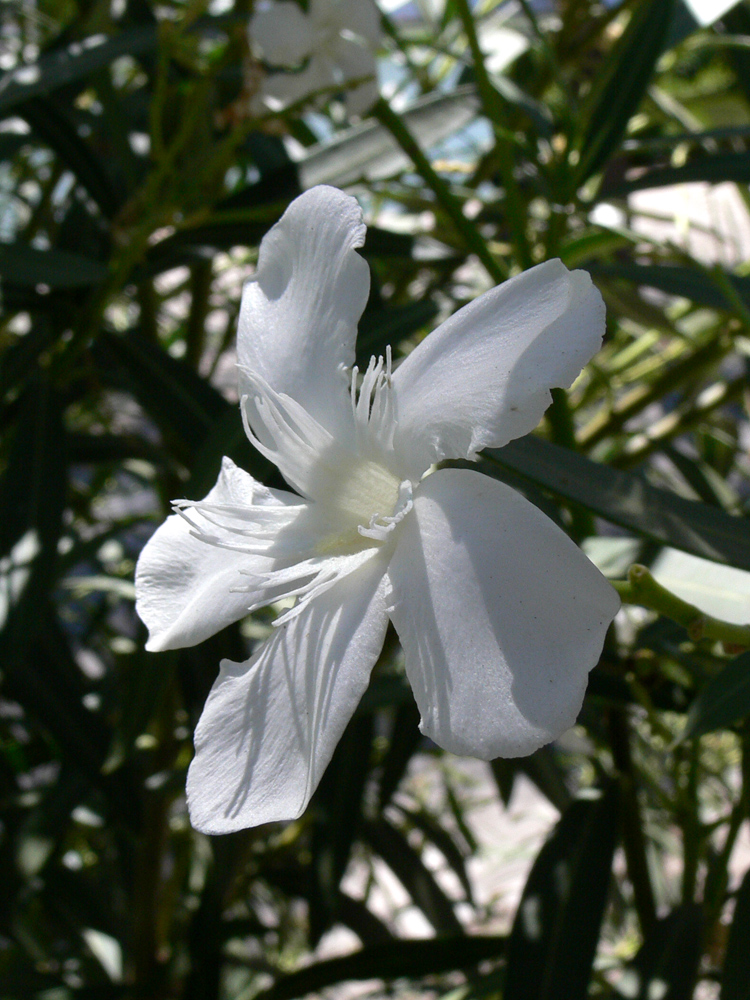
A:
(51, 123)
(381, 327)
(33, 486)
(443, 840)
(552, 945)
(724, 701)
(408, 867)
(75, 62)
(399, 959)
(687, 282)
(10, 143)
(21, 359)
(714, 169)
(183, 405)
(23, 265)
(667, 962)
(625, 499)
(338, 803)
(735, 979)
(619, 88)
(405, 739)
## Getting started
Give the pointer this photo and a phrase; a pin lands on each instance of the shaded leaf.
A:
(53, 126)
(397, 959)
(625, 499)
(23, 265)
(735, 979)
(723, 702)
(713, 169)
(554, 938)
(620, 87)
(408, 867)
(181, 403)
(687, 282)
(76, 61)
(667, 962)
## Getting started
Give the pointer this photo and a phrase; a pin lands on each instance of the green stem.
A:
(514, 206)
(452, 207)
(201, 279)
(641, 588)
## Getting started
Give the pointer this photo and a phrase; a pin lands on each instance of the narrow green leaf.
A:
(408, 867)
(442, 839)
(33, 486)
(38, 667)
(381, 327)
(395, 960)
(26, 266)
(668, 960)
(368, 149)
(625, 499)
(714, 169)
(21, 359)
(724, 701)
(687, 282)
(622, 83)
(338, 802)
(184, 405)
(52, 124)
(76, 61)
(405, 739)
(735, 980)
(555, 934)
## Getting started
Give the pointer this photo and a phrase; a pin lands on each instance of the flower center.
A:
(366, 491)
(366, 502)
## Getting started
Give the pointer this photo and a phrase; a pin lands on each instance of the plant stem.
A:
(491, 103)
(641, 588)
(469, 233)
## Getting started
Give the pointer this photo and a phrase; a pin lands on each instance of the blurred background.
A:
(146, 146)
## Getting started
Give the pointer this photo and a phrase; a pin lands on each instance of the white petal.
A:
(279, 90)
(270, 725)
(355, 63)
(362, 18)
(501, 616)
(483, 377)
(283, 32)
(298, 321)
(188, 589)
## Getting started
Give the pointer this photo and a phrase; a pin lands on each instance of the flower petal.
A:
(360, 17)
(500, 614)
(483, 377)
(270, 725)
(298, 321)
(187, 589)
(279, 90)
(283, 32)
(356, 62)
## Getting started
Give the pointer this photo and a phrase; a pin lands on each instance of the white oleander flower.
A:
(335, 40)
(500, 615)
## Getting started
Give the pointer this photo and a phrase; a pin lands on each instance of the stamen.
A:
(381, 526)
(297, 439)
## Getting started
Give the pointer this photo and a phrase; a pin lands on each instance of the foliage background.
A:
(135, 186)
